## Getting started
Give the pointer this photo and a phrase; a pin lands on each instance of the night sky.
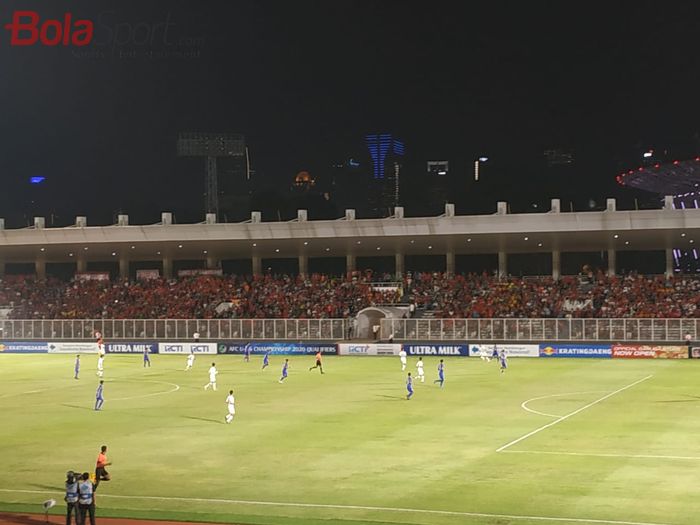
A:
(304, 81)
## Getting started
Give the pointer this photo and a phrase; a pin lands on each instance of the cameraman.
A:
(86, 498)
(71, 498)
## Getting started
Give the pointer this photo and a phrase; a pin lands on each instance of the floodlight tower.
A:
(211, 146)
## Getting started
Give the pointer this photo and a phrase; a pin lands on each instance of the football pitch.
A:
(568, 441)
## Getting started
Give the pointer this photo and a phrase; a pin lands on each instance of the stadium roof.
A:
(481, 234)
(676, 178)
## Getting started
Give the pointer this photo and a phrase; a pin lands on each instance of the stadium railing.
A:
(173, 329)
(472, 330)
(613, 329)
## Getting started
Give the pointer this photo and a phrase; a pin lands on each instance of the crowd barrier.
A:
(174, 329)
(543, 350)
(544, 330)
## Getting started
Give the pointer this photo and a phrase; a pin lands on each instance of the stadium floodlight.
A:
(483, 159)
(211, 146)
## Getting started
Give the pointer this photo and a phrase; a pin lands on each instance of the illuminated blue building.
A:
(380, 146)
(386, 153)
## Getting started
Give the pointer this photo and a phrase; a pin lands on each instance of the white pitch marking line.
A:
(177, 387)
(524, 406)
(567, 416)
(597, 455)
(359, 507)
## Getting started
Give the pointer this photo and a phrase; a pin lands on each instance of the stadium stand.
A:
(321, 296)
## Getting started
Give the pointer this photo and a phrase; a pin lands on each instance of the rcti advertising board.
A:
(369, 348)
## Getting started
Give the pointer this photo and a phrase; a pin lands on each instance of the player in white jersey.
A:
(212, 377)
(421, 373)
(230, 404)
(190, 361)
(402, 357)
(100, 366)
(484, 354)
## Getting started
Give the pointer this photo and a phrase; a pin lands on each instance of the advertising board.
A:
(23, 347)
(510, 349)
(277, 348)
(369, 348)
(637, 351)
(131, 348)
(147, 274)
(436, 349)
(186, 348)
(70, 347)
(575, 350)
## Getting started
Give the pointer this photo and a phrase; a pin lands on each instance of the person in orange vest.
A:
(101, 473)
(318, 362)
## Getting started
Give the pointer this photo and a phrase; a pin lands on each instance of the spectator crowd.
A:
(323, 296)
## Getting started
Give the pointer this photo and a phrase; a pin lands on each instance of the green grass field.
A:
(347, 448)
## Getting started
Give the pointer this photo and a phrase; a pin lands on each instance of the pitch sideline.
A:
(550, 519)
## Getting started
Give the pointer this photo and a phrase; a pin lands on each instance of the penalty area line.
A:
(358, 507)
(570, 414)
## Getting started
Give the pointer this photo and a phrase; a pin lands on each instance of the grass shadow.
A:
(208, 420)
(77, 406)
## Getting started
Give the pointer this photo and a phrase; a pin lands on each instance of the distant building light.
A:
(36, 180)
(483, 159)
(648, 154)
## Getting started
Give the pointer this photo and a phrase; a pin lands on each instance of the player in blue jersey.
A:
(285, 370)
(99, 398)
(146, 358)
(77, 366)
(266, 360)
(503, 360)
(441, 373)
(409, 386)
(246, 353)
(495, 354)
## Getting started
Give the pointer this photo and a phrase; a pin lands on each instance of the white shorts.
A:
(403, 360)
(231, 409)
(420, 372)
(212, 380)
